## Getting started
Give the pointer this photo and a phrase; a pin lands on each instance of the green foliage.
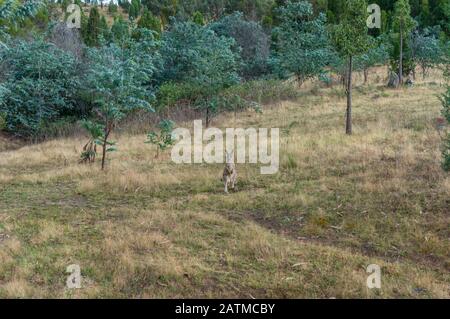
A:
(252, 43)
(171, 94)
(263, 91)
(96, 133)
(119, 79)
(93, 28)
(105, 33)
(302, 46)
(134, 10)
(124, 4)
(150, 22)
(351, 39)
(195, 54)
(40, 87)
(162, 139)
(378, 54)
(120, 30)
(198, 18)
(426, 50)
(112, 8)
(350, 35)
(409, 64)
(13, 13)
(252, 9)
(402, 20)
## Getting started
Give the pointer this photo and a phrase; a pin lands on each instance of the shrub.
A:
(263, 91)
(162, 139)
(252, 43)
(118, 78)
(195, 54)
(302, 46)
(171, 94)
(40, 87)
(112, 8)
(426, 50)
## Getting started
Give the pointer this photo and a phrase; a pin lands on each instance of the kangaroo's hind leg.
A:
(225, 180)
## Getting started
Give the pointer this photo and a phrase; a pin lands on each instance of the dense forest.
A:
(206, 55)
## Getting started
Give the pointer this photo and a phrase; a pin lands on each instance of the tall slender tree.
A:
(351, 39)
(403, 24)
(93, 28)
(150, 22)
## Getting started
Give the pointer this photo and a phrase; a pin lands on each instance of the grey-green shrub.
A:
(252, 43)
(40, 87)
(302, 46)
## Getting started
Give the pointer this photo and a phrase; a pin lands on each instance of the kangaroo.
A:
(229, 172)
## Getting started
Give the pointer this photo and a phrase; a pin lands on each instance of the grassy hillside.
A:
(150, 228)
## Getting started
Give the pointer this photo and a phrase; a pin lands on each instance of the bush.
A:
(302, 46)
(171, 94)
(195, 54)
(264, 91)
(112, 8)
(252, 43)
(41, 84)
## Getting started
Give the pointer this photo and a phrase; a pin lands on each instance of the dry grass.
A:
(150, 228)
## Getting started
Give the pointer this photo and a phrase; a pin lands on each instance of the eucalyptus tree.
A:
(93, 28)
(351, 39)
(378, 54)
(13, 13)
(40, 86)
(151, 22)
(252, 43)
(196, 55)
(119, 78)
(426, 50)
(302, 45)
(403, 24)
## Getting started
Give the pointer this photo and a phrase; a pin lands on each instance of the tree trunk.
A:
(400, 64)
(207, 118)
(105, 141)
(348, 126)
(344, 77)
